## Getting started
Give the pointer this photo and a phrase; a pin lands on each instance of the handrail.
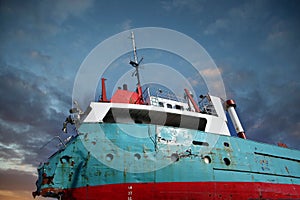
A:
(51, 141)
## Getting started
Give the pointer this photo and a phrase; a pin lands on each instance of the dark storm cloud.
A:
(36, 77)
(279, 119)
(267, 104)
(27, 98)
(8, 153)
(260, 63)
(32, 113)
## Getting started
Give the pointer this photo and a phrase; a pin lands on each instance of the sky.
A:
(255, 45)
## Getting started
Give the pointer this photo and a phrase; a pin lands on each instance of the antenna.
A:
(135, 63)
(134, 48)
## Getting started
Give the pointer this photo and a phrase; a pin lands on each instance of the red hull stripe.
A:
(185, 190)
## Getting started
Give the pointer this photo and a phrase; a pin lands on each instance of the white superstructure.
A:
(161, 111)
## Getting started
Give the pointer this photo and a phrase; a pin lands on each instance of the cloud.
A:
(63, 9)
(211, 72)
(127, 24)
(35, 80)
(194, 82)
(261, 70)
(15, 195)
(32, 115)
(26, 91)
(16, 185)
(282, 40)
(40, 20)
(249, 10)
(218, 26)
(268, 109)
(39, 56)
(194, 6)
(14, 179)
(243, 17)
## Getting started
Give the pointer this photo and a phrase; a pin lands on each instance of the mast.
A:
(190, 98)
(134, 48)
(136, 64)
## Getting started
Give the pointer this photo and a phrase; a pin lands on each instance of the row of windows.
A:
(179, 107)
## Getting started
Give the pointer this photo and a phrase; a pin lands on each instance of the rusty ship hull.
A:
(205, 166)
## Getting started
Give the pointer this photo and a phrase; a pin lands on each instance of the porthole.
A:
(226, 161)
(226, 144)
(200, 143)
(207, 159)
(137, 156)
(109, 157)
(175, 157)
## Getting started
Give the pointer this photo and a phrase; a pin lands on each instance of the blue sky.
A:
(255, 44)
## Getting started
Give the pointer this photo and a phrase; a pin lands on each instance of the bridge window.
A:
(178, 107)
(160, 104)
(169, 106)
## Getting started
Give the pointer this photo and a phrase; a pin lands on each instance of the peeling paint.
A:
(189, 162)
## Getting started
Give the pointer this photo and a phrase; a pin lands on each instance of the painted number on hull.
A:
(129, 192)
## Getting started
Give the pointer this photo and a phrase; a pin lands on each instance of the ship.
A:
(150, 144)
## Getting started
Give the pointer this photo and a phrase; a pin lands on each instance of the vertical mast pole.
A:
(136, 63)
(134, 48)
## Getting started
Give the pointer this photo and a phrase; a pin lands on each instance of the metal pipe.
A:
(103, 94)
(230, 105)
(196, 107)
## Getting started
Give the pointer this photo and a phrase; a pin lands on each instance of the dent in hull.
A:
(194, 159)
